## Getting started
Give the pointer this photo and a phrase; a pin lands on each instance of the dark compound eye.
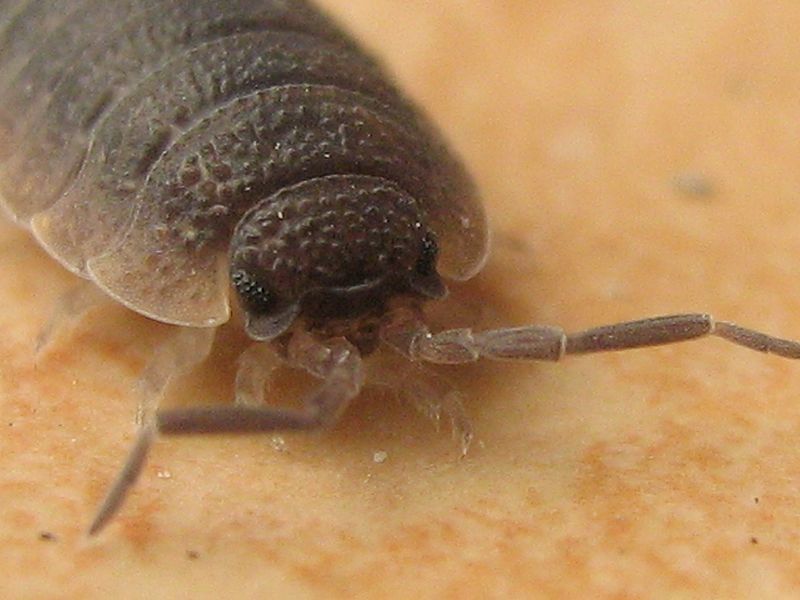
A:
(426, 264)
(425, 278)
(255, 297)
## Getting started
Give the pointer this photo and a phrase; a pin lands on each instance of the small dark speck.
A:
(192, 554)
(48, 536)
(756, 499)
(753, 540)
(690, 183)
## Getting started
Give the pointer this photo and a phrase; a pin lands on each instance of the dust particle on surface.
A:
(278, 443)
(693, 184)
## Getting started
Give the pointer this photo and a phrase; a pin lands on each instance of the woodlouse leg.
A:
(256, 366)
(187, 347)
(432, 394)
(337, 362)
(409, 335)
(70, 308)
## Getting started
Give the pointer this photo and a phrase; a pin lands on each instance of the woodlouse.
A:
(191, 148)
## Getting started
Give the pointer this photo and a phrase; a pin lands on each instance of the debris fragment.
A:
(691, 183)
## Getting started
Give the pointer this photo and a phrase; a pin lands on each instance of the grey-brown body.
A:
(136, 134)
(173, 150)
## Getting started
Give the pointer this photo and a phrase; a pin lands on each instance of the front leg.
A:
(70, 308)
(186, 348)
(256, 365)
(336, 362)
(431, 393)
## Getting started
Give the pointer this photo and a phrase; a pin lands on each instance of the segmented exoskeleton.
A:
(175, 152)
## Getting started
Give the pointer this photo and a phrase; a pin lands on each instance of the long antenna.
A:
(125, 480)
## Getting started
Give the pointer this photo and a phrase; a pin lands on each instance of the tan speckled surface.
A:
(659, 473)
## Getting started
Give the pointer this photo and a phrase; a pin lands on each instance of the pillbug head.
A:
(331, 248)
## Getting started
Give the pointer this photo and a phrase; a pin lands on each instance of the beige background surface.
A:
(636, 158)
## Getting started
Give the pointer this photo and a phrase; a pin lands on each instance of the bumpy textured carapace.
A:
(173, 151)
(146, 142)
